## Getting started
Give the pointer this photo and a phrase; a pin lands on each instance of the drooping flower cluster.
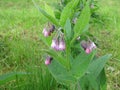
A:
(88, 46)
(58, 44)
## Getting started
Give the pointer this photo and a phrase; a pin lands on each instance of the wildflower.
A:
(48, 60)
(88, 46)
(54, 44)
(62, 45)
(93, 46)
(45, 32)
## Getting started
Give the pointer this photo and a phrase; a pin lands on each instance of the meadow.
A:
(21, 61)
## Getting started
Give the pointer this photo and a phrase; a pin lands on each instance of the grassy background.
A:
(20, 28)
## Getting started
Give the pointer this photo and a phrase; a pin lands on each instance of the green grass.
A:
(20, 28)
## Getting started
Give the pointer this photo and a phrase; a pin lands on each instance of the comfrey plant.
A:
(70, 57)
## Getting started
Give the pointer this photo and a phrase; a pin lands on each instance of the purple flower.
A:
(88, 46)
(54, 44)
(91, 46)
(61, 45)
(48, 60)
(45, 32)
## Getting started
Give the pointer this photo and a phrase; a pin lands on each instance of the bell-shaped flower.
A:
(61, 45)
(54, 44)
(45, 32)
(90, 47)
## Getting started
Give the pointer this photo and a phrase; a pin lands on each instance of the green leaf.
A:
(92, 82)
(51, 18)
(57, 14)
(97, 65)
(49, 10)
(82, 21)
(60, 73)
(68, 30)
(102, 80)
(88, 82)
(68, 11)
(80, 64)
(11, 76)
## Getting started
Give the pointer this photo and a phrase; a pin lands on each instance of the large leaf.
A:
(51, 18)
(60, 73)
(80, 64)
(82, 22)
(11, 76)
(68, 11)
(88, 82)
(68, 35)
(97, 65)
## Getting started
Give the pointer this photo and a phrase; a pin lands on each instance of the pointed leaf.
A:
(68, 11)
(49, 10)
(80, 64)
(82, 21)
(97, 65)
(52, 19)
(68, 30)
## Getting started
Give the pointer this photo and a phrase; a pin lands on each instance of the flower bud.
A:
(61, 45)
(83, 43)
(52, 28)
(45, 32)
(48, 60)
